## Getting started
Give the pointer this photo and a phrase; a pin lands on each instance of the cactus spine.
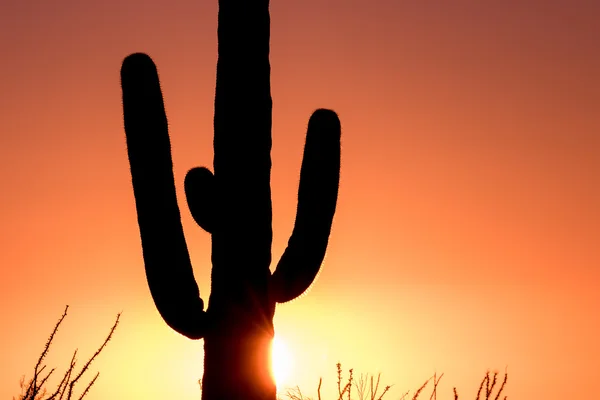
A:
(233, 205)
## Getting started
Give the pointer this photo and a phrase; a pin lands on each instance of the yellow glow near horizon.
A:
(282, 362)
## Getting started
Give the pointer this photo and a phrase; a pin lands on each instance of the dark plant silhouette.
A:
(36, 389)
(233, 204)
(367, 388)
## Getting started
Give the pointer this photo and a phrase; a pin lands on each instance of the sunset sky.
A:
(467, 233)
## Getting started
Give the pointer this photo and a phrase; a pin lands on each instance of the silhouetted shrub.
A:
(36, 388)
(367, 388)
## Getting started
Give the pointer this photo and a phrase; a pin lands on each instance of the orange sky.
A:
(468, 223)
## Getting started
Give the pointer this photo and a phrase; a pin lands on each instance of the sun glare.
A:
(282, 362)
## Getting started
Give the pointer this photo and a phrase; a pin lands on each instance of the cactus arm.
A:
(166, 258)
(200, 191)
(317, 197)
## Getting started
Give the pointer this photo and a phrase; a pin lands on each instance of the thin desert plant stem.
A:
(367, 387)
(485, 379)
(502, 385)
(43, 381)
(404, 395)
(419, 390)
(436, 381)
(35, 389)
(319, 388)
(385, 390)
(349, 382)
(490, 388)
(89, 386)
(490, 383)
(65, 379)
(376, 386)
(339, 376)
(86, 366)
(360, 386)
(347, 386)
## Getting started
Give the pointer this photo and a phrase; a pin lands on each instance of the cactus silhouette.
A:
(233, 205)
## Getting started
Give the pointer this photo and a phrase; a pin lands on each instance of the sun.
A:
(282, 362)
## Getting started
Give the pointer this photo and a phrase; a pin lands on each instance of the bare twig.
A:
(35, 389)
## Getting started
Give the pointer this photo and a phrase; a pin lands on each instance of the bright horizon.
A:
(467, 230)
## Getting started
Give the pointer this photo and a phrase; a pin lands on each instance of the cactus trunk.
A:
(236, 357)
(236, 366)
(233, 205)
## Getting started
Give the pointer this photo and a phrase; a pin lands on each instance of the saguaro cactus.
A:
(233, 204)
